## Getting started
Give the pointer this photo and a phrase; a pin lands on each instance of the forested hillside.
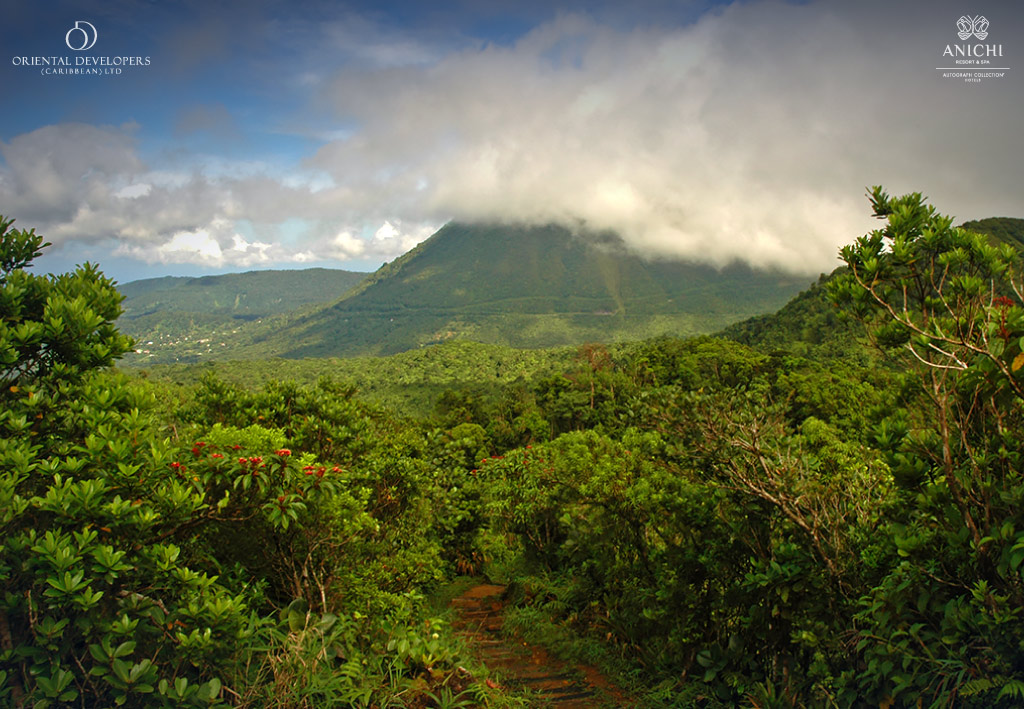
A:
(530, 287)
(183, 319)
(516, 286)
(243, 295)
(825, 511)
(1004, 230)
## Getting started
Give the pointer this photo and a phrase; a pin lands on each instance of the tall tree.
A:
(945, 622)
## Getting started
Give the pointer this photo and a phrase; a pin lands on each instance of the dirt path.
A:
(516, 664)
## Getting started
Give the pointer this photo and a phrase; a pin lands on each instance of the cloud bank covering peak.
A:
(748, 134)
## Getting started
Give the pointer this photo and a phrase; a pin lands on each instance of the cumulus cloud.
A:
(749, 134)
(80, 184)
(215, 245)
(388, 241)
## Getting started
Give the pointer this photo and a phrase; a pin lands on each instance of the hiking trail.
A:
(518, 665)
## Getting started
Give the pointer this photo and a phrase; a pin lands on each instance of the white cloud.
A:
(750, 134)
(191, 247)
(346, 246)
(392, 239)
(214, 246)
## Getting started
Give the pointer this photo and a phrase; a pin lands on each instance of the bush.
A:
(97, 602)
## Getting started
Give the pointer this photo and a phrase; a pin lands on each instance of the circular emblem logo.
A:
(82, 36)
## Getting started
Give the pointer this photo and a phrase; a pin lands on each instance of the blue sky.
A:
(271, 134)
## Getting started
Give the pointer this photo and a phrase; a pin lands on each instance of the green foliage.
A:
(143, 570)
(97, 604)
(644, 538)
(408, 382)
(52, 329)
(809, 325)
(1001, 230)
(782, 521)
(315, 660)
(943, 623)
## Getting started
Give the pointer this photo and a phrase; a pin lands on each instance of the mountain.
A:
(525, 287)
(810, 323)
(175, 317)
(241, 295)
(1008, 230)
(136, 289)
(518, 286)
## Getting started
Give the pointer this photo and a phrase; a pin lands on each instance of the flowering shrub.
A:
(98, 605)
(141, 571)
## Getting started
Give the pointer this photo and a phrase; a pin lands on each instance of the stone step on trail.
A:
(557, 684)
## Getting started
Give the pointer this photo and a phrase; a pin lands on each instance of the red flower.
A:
(281, 498)
(284, 452)
(236, 447)
(216, 455)
(199, 444)
(176, 465)
(242, 461)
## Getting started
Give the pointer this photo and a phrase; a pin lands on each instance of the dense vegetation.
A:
(408, 382)
(790, 520)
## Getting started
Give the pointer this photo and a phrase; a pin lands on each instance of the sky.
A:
(211, 136)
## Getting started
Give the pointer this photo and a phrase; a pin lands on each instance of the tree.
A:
(57, 328)
(944, 624)
(100, 605)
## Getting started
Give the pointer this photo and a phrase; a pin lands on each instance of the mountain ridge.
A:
(531, 286)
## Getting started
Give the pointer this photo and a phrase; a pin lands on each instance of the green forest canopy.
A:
(779, 523)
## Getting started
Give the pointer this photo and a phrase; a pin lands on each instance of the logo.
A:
(78, 38)
(967, 26)
(972, 60)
